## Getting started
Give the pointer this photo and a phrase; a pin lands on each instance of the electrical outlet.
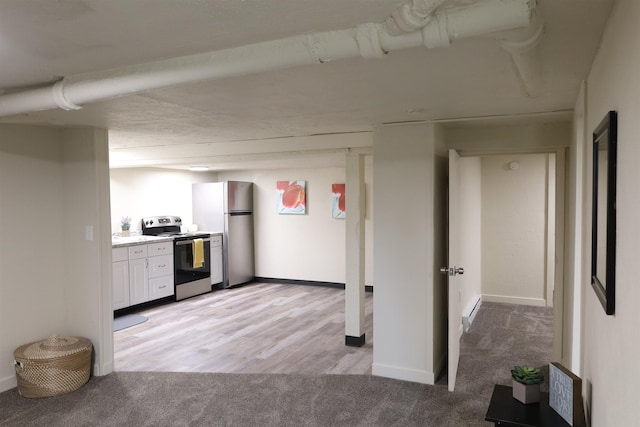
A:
(88, 232)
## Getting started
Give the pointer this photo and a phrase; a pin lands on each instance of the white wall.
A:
(87, 242)
(471, 228)
(52, 185)
(573, 282)
(141, 192)
(303, 247)
(612, 343)
(514, 216)
(32, 298)
(404, 254)
(478, 140)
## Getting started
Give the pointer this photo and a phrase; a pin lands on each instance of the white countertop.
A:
(119, 241)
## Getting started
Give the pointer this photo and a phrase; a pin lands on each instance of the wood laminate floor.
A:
(256, 328)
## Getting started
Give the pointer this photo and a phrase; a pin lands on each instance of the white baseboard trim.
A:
(404, 374)
(8, 383)
(107, 368)
(538, 302)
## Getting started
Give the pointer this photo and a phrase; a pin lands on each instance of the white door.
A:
(453, 270)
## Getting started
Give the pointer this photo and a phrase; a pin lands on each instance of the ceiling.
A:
(44, 40)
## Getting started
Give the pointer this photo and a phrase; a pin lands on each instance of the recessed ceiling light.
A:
(198, 168)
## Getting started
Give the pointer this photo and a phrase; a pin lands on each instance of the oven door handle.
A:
(188, 242)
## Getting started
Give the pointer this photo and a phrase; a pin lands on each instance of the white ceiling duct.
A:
(411, 16)
(372, 40)
(521, 46)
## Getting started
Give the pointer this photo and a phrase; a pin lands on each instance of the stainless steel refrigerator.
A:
(227, 207)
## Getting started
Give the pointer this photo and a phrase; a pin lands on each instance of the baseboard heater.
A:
(470, 313)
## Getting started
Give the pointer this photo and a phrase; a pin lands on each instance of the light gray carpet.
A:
(501, 336)
(196, 399)
(127, 321)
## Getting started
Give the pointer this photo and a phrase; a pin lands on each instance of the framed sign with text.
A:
(565, 394)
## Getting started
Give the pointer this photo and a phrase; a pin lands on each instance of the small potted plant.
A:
(125, 224)
(526, 383)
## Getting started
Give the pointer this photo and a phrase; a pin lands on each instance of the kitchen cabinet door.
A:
(138, 281)
(120, 284)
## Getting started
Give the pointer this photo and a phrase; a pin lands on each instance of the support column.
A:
(354, 253)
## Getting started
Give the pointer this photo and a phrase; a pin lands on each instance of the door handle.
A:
(452, 271)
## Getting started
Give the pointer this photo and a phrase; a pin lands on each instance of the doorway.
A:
(512, 232)
(517, 228)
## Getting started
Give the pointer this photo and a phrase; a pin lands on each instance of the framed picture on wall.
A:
(338, 201)
(291, 197)
(603, 214)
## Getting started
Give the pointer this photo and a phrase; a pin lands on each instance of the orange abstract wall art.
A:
(291, 197)
(338, 201)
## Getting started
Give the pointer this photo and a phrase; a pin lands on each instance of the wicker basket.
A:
(52, 367)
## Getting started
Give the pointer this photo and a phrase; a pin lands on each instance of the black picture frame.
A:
(603, 231)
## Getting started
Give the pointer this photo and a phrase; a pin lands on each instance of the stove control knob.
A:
(178, 219)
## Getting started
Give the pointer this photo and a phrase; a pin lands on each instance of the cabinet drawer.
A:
(160, 265)
(160, 287)
(137, 251)
(162, 248)
(119, 254)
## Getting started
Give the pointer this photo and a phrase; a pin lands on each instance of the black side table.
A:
(504, 410)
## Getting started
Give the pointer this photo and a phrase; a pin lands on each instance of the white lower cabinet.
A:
(160, 270)
(142, 273)
(120, 277)
(216, 259)
(120, 284)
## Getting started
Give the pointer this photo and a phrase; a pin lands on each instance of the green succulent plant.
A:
(527, 375)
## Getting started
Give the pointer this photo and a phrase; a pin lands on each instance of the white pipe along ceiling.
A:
(417, 23)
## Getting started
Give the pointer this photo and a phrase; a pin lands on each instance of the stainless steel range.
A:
(191, 255)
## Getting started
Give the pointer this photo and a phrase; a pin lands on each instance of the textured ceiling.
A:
(43, 40)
